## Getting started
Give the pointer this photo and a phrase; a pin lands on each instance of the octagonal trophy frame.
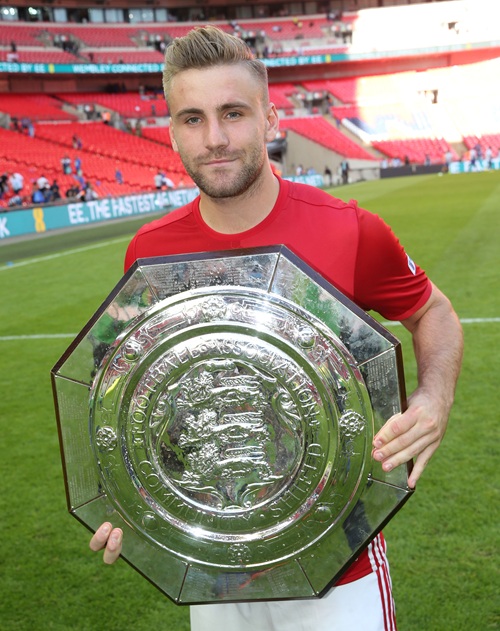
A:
(220, 408)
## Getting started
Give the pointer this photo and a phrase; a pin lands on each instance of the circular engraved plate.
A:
(231, 427)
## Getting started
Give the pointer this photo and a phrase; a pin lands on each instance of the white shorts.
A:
(363, 605)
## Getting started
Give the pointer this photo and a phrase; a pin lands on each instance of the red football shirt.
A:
(351, 248)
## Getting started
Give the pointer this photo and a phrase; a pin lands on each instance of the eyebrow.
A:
(220, 108)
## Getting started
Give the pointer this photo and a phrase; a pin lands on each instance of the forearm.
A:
(438, 346)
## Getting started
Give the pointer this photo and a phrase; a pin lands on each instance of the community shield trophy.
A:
(220, 408)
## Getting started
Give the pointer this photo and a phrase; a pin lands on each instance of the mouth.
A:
(219, 161)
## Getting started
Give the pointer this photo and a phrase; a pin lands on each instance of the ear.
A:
(175, 147)
(272, 122)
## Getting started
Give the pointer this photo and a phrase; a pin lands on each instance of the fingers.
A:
(110, 539)
(100, 537)
(114, 546)
(413, 434)
(420, 464)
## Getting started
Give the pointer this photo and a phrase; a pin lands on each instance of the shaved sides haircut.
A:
(206, 47)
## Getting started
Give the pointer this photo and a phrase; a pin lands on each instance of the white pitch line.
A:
(389, 323)
(58, 255)
(52, 336)
(41, 336)
(478, 320)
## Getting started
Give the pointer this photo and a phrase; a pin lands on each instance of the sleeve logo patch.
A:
(411, 265)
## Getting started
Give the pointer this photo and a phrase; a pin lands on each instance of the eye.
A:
(193, 120)
(233, 115)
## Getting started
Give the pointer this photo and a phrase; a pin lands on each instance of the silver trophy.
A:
(220, 408)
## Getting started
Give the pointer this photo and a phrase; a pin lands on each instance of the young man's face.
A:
(220, 126)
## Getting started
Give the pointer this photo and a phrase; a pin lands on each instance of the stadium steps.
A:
(352, 136)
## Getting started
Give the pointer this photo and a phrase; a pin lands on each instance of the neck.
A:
(237, 214)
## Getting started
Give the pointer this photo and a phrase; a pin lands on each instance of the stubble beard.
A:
(224, 186)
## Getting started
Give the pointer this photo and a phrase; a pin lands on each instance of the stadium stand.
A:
(488, 140)
(100, 139)
(419, 114)
(319, 130)
(37, 107)
(417, 151)
(52, 56)
(128, 105)
(123, 56)
(136, 43)
(104, 150)
(280, 94)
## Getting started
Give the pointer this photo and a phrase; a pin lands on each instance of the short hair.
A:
(206, 47)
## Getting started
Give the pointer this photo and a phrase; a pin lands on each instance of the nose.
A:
(215, 135)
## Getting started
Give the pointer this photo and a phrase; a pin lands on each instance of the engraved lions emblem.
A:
(220, 440)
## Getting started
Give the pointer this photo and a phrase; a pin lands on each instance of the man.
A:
(43, 184)
(158, 179)
(16, 181)
(344, 169)
(221, 120)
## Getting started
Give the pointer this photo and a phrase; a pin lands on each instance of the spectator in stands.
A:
(76, 142)
(407, 161)
(13, 55)
(90, 112)
(16, 181)
(221, 121)
(38, 195)
(427, 160)
(118, 176)
(43, 184)
(54, 192)
(78, 165)
(158, 179)
(15, 200)
(66, 165)
(72, 192)
(26, 124)
(89, 194)
(4, 185)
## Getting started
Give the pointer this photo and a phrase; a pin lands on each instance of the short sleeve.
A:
(386, 279)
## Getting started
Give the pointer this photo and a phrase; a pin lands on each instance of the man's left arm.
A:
(417, 433)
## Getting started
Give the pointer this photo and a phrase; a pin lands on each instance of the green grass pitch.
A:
(441, 545)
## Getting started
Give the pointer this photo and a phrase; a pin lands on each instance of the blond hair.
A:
(209, 46)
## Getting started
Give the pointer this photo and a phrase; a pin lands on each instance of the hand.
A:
(416, 433)
(110, 539)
